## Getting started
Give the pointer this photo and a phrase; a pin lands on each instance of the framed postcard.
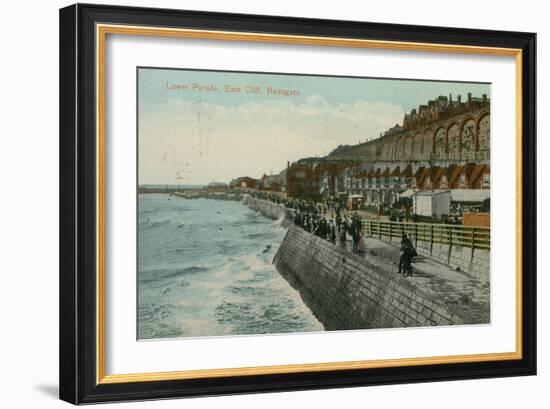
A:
(257, 203)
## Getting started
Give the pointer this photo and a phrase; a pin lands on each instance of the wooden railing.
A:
(448, 234)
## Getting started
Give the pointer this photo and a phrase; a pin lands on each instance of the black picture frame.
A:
(78, 357)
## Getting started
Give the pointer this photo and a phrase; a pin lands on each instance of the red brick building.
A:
(244, 182)
(302, 181)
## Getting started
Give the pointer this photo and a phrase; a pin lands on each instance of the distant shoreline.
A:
(197, 193)
(167, 188)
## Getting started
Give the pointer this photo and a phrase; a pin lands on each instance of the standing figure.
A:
(362, 245)
(332, 232)
(338, 221)
(407, 252)
(297, 219)
(355, 237)
(345, 225)
(343, 237)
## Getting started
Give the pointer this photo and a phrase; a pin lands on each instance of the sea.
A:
(205, 269)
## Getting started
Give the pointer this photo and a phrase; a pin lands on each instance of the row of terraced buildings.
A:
(443, 145)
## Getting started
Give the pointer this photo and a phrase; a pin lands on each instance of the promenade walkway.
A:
(439, 285)
(465, 296)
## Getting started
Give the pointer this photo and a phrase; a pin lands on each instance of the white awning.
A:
(470, 195)
(407, 193)
(430, 192)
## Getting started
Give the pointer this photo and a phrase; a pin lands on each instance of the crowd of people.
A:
(329, 221)
(315, 220)
(325, 219)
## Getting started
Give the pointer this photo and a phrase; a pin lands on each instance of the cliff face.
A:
(346, 292)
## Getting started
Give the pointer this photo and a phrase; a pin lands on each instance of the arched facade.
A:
(427, 146)
(461, 138)
(484, 134)
(387, 151)
(453, 141)
(395, 150)
(418, 146)
(408, 153)
(440, 142)
(468, 139)
(402, 148)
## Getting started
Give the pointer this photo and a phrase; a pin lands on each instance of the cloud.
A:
(208, 142)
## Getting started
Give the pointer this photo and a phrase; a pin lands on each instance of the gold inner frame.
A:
(102, 30)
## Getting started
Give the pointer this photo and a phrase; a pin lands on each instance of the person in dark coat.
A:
(406, 254)
(323, 228)
(298, 219)
(332, 233)
(345, 225)
(342, 233)
(355, 236)
(306, 223)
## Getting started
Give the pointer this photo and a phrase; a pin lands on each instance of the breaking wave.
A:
(205, 269)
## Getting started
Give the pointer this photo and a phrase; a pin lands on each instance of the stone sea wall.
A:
(347, 292)
(268, 209)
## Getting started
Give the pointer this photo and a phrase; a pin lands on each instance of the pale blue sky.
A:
(405, 93)
(215, 136)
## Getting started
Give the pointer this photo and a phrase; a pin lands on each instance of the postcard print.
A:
(284, 203)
